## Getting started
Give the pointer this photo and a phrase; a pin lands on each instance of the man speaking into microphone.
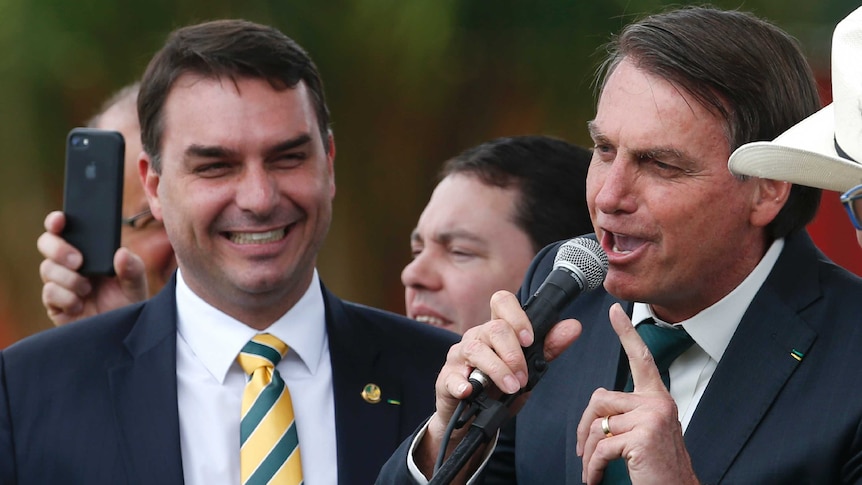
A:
(723, 347)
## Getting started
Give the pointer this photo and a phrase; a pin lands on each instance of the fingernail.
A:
(524, 336)
(522, 378)
(462, 388)
(511, 385)
(74, 260)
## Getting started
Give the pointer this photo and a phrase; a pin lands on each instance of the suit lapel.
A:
(757, 363)
(144, 392)
(362, 428)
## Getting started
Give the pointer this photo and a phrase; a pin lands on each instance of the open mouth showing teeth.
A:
(437, 322)
(621, 251)
(626, 244)
(256, 237)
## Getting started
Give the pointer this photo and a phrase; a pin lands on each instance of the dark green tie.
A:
(665, 344)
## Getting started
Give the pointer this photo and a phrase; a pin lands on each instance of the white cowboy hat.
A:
(825, 149)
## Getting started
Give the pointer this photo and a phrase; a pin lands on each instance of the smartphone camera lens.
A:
(79, 141)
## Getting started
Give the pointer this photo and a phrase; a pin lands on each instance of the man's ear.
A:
(330, 160)
(769, 197)
(150, 180)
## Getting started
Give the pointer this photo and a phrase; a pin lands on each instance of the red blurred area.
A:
(833, 234)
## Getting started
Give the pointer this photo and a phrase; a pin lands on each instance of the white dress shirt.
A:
(210, 385)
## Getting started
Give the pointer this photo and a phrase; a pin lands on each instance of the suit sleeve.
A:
(395, 471)
(7, 445)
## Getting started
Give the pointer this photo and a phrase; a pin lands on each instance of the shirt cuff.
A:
(422, 480)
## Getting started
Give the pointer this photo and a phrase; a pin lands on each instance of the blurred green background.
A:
(409, 83)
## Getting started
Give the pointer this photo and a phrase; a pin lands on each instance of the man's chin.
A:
(623, 286)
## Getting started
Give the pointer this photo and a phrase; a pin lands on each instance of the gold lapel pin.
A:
(371, 393)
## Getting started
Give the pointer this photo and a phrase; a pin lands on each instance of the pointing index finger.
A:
(644, 371)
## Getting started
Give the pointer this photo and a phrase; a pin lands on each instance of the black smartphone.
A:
(93, 196)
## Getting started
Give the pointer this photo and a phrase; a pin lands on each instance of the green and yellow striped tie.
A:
(269, 444)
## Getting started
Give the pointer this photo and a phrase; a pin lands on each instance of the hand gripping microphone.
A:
(580, 265)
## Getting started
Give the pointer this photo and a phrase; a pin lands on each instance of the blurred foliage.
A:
(410, 83)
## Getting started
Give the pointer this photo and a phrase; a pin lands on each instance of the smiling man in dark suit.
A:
(238, 164)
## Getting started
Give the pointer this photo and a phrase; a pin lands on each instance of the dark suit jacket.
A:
(95, 402)
(765, 416)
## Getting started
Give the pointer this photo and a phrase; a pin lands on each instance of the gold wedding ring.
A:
(606, 426)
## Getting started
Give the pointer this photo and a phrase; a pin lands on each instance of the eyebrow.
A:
(216, 151)
(415, 237)
(661, 153)
(448, 236)
(591, 127)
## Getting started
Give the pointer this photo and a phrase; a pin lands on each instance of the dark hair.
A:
(126, 94)
(549, 174)
(742, 68)
(231, 49)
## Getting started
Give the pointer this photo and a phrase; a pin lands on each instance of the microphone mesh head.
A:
(585, 257)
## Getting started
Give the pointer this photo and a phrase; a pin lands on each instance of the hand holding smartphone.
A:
(93, 196)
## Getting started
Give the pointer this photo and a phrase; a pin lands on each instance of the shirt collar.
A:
(714, 326)
(217, 338)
